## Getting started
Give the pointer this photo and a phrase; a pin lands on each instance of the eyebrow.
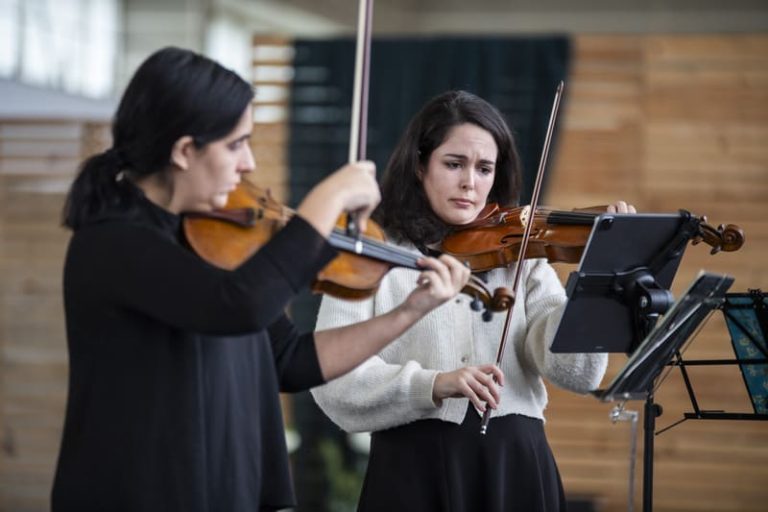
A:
(243, 137)
(464, 157)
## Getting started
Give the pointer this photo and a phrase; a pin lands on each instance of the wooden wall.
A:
(670, 122)
(666, 122)
(37, 161)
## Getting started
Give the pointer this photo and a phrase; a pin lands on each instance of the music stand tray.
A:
(622, 284)
(635, 379)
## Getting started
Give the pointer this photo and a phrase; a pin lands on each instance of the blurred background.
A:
(666, 107)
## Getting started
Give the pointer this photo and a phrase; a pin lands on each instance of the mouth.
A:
(462, 203)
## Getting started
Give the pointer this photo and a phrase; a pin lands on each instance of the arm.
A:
(377, 394)
(351, 188)
(544, 304)
(340, 349)
(138, 268)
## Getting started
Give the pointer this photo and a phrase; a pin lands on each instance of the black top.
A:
(175, 368)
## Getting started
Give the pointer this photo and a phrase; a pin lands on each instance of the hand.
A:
(352, 188)
(478, 383)
(621, 207)
(442, 279)
(357, 189)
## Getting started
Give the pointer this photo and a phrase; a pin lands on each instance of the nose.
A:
(247, 162)
(467, 179)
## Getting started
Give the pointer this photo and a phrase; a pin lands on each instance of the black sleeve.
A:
(136, 267)
(295, 354)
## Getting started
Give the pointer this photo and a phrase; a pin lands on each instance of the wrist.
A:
(410, 313)
(321, 208)
(437, 399)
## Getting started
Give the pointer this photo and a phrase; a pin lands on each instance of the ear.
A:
(182, 151)
(420, 172)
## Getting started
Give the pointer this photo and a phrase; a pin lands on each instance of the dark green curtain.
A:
(517, 75)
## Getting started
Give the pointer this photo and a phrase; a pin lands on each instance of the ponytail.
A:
(97, 187)
(174, 93)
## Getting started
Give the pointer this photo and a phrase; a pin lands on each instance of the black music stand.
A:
(635, 380)
(616, 297)
(656, 351)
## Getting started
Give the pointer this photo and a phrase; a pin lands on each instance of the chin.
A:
(219, 201)
(461, 218)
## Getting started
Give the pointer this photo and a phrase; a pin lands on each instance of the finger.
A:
(367, 166)
(446, 277)
(468, 392)
(459, 273)
(498, 375)
(494, 370)
(484, 392)
(361, 216)
(425, 278)
(489, 388)
(436, 266)
(631, 208)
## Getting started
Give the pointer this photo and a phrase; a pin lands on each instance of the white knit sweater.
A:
(395, 387)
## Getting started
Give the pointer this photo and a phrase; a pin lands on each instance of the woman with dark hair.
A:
(423, 396)
(175, 365)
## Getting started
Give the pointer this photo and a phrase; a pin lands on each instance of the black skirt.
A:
(433, 465)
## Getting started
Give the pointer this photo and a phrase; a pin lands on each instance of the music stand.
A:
(746, 316)
(635, 380)
(622, 284)
(616, 297)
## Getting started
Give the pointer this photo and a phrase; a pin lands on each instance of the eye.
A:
(235, 145)
(453, 164)
(485, 171)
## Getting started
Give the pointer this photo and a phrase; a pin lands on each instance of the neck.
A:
(159, 190)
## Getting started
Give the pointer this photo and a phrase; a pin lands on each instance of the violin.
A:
(227, 237)
(494, 238)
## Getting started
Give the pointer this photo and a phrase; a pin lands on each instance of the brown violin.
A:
(493, 240)
(227, 237)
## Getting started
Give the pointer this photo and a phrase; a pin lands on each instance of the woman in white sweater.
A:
(423, 396)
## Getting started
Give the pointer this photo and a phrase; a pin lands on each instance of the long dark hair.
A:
(174, 93)
(404, 212)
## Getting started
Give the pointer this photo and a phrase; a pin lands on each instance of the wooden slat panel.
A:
(37, 162)
(669, 123)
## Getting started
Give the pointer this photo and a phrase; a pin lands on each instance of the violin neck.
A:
(374, 249)
(571, 218)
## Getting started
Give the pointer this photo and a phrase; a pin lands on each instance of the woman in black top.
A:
(175, 365)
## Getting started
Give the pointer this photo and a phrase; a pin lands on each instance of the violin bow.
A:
(359, 122)
(526, 236)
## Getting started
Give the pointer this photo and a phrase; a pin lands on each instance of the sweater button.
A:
(464, 359)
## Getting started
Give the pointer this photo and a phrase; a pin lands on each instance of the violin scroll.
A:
(482, 299)
(726, 237)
